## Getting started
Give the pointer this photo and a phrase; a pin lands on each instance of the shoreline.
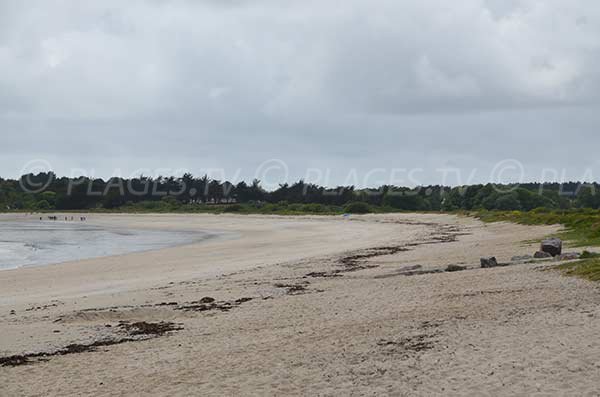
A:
(148, 268)
(142, 237)
(307, 306)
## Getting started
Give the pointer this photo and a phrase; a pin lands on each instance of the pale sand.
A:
(517, 330)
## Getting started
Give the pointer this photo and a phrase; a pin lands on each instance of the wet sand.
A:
(303, 306)
(28, 241)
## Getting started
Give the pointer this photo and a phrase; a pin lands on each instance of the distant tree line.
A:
(46, 191)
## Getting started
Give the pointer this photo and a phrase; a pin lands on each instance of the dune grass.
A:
(586, 268)
(581, 226)
(581, 229)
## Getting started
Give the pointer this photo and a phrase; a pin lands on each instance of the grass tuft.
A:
(587, 268)
(582, 229)
(582, 226)
(589, 255)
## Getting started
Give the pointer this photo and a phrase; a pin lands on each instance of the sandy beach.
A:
(274, 305)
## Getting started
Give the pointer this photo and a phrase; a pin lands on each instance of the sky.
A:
(407, 92)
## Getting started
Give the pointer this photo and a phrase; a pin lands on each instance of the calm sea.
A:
(37, 243)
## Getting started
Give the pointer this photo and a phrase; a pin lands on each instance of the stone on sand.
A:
(553, 246)
(521, 258)
(489, 261)
(568, 256)
(542, 255)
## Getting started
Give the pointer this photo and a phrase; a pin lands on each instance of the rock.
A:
(568, 256)
(542, 255)
(455, 268)
(553, 246)
(489, 261)
(523, 258)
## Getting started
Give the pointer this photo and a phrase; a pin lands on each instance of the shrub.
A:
(357, 208)
(233, 208)
(43, 205)
(314, 208)
(296, 207)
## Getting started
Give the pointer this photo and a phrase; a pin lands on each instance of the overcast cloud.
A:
(120, 86)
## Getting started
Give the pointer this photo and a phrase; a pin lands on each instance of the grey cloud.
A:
(344, 85)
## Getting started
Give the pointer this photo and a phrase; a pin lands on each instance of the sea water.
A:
(38, 243)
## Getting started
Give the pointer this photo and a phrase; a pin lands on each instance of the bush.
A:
(296, 207)
(148, 205)
(357, 208)
(43, 205)
(233, 208)
(314, 208)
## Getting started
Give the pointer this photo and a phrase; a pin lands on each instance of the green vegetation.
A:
(574, 205)
(589, 255)
(582, 226)
(587, 268)
(48, 192)
(357, 207)
(582, 229)
(281, 208)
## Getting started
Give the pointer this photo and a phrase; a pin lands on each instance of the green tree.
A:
(43, 205)
(508, 202)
